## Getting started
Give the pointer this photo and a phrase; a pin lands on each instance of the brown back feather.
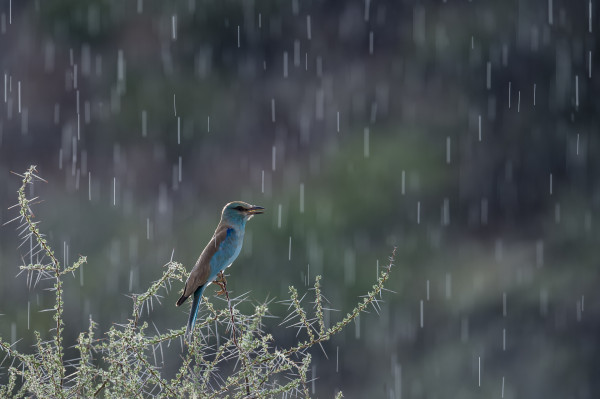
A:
(201, 271)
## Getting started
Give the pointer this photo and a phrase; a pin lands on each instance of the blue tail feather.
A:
(194, 311)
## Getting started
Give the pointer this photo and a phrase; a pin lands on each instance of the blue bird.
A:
(219, 254)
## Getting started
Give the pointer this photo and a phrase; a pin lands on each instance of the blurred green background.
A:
(463, 132)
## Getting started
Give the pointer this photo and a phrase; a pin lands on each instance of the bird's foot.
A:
(222, 291)
(221, 282)
(221, 278)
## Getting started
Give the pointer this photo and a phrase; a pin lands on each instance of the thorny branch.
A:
(119, 364)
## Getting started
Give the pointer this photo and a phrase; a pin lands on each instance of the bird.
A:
(223, 248)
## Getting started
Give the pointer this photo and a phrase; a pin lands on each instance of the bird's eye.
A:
(239, 208)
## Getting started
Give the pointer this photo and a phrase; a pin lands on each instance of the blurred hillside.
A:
(464, 133)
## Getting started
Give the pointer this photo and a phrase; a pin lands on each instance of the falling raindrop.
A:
(307, 274)
(301, 197)
(290, 249)
(273, 110)
(56, 113)
(144, 123)
(337, 359)
(484, 211)
(279, 216)
(314, 377)
(446, 212)
(308, 30)
(403, 182)
(421, 312)
(398, 380)
(590, 16)
(479, 370)
(576, 91)
(319, 102)
(366, 143)
(180, 167)
(448, 149)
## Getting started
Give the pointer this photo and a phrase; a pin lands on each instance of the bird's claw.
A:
(222, 291)
(221, 282)
(221, 279)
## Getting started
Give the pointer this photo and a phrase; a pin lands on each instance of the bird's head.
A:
(239, 211)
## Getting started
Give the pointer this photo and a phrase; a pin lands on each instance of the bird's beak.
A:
(256, 210)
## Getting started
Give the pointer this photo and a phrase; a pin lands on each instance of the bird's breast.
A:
(228, 250)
